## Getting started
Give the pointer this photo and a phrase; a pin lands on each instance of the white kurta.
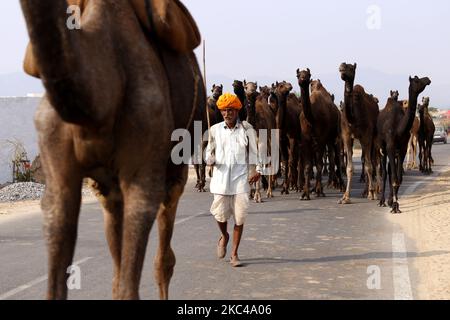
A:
(229, 149)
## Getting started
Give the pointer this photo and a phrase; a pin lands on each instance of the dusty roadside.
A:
(426, 220)
(17, 210)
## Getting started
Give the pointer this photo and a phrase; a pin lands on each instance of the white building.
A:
(17, 124)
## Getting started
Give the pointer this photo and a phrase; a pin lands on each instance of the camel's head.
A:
(265, 90)
(418, 85)
(251, 88)
(347, 71)
(426, 101)
(341, 105)
(238, 87)
(405, 104)
(217, 91)
(304, 78)
(282, 88)
(316, 85)
(394, 95)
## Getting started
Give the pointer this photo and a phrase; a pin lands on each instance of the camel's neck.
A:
(407, 121)
(281, 111)
(54, 47)
(306, 103)
(348, 100)
(251, 109)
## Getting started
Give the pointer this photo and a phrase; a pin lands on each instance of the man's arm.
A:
(211, 149)
(255, 166)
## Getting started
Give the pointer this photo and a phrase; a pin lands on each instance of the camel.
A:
(394, 126)
(115, 92)
(326, 131)
(411, 153)
(358, 121)
(261, 117)
(214, 117)
(319, 121)
(239, 90)
(287, 115)
(426, 133)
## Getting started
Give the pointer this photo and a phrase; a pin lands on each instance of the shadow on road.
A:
(365, 256)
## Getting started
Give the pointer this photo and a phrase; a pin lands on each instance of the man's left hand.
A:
(255, 178)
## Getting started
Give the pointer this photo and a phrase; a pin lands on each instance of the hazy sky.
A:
(250, 38)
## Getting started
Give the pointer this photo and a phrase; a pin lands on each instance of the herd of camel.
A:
(317, 137)
(118, 88)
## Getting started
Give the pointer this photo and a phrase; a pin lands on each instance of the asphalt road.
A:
(290, 249)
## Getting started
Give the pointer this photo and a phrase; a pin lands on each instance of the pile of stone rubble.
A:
(26, 191)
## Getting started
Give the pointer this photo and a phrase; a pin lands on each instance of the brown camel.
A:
(359, 121)
(287, 115)
(214, 117)
(426, 133)
(411, 153)
(114, 95)
(394, 126)
(261, 117)
(239, 90)
(326, 131)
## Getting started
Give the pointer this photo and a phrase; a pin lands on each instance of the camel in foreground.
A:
(115, 92)
(359, 120)
(394, 126)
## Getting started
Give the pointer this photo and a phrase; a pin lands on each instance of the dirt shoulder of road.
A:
(16, 210)
(426, 220)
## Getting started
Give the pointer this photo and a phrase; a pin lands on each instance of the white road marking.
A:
(402, 283)
(30, 284)
(190, 217)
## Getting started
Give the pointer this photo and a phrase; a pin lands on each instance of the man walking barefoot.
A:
(232, 143)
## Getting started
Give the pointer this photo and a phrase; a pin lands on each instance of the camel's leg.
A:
(414, 152)
(257, 196)
(165, 258)
(142, 202)
(61, 206)
(339, 162)
(285, 161)
(362, 178)
(394, 178)
(368, 168)
(269, 188)
(382, 202)
(306, 174)
(408, 154)
(319, 166)
(293, 165)
(113, 216)
(198, 174)
(430, 158)
(349, 151)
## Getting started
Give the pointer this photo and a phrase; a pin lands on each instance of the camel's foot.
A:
(382, 203)
(305, 197)
(345, 200)
(197, 185)
(201, 189)
(269, 194)
(390, 202)
(395, 208)
(257, 197)
(284, 190)
(371, 195)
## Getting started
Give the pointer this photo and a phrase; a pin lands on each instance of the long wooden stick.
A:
(204, 79)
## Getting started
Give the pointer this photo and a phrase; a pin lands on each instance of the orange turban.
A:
(229, 100)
